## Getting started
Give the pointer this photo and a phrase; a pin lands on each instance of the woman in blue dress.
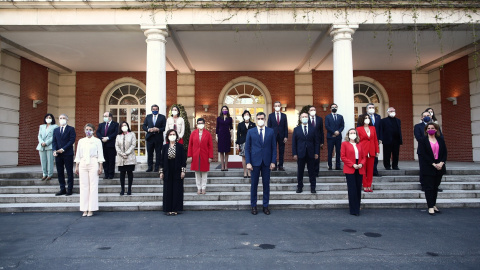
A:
(224, 136)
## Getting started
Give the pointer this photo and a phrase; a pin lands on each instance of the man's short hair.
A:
(154, 105)
(261, 113)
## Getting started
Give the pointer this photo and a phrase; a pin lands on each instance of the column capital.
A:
(155, 32)
(342, 31)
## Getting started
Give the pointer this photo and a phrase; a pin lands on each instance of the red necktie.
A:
(278, 119)
(106, 128)
(313, 121)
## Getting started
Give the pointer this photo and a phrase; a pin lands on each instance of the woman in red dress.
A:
(200, 150)
(369, 143)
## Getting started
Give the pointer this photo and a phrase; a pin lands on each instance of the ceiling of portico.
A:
(230, 48)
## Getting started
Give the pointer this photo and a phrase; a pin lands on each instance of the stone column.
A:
(343, 72)
(156, 67)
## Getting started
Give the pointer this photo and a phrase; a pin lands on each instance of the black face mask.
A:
(334, 110)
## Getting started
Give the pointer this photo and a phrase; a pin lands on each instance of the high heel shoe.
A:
(431, 211)
(435, 209)
(84, 214)
(90, 213)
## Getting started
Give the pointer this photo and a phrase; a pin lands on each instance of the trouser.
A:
(88, 175)
(368, 177)
(354, 185)
(64, 162)
(375, 164)
(201, 179)
(265, 169)
(393, 151)
(281, 151)
(334, 142)
(122, 179)
(316, 165)
(311, 171)
(151, 147)
(109, 153)
(46, 159)
(431, 183)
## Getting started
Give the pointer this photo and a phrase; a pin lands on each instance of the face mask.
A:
(366, 121)
(277, 109)
(62, 122)
(431, 131)
(352, 136)
(224, 112)
(334, 110)
(174, 112)
(155, 112)
(426, 119)
(48, 120)
(312, 113)
(105, 119)
(431, 113)
(172, 138)
(89, 133)
(246, 117)
(392, 114)
(371, 111)
(261, 123)
(124, 128)
(304, 120)
(200, 126)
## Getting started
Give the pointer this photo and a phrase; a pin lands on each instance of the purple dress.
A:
(223, 132)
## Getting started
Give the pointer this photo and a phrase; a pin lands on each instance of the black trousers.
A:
(391, 151)
(152, 146)
(337, 143)
(64, 162)
(311, 171)
(122, 179)
(431, 183)
(109, 153)
(316, 164)
(281, 151)
(354, 185)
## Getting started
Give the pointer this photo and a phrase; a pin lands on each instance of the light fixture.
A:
(453, 100)
(36, 102)
(324, 106)
(206, 107)
(284, 107)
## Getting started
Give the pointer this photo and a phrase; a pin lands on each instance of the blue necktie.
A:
(373, 119)
(261, 136)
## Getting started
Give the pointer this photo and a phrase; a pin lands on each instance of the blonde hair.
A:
(347, 139)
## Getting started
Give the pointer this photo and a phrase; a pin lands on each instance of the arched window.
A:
(126, 102)
(365, 93)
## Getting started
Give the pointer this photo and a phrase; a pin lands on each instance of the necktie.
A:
(335, 117)
(313, 121)
(278, 118)
(154, 120)
(373, 120)
(106, 129)
(61, 130)
(305, 130)
(261, 135)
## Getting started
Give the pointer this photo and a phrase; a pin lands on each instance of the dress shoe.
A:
(84, 214)
(431, 211)
(274, 169)
(122, 192)
(149, 170)
(90, 213)
(313, 191)
(435, 209)
(254, 210)
(129, 192)
(69, 193)
(44, 178)
(299, 190)
(338, 168)
(440, 190)
(388, 169)
(49, 178)
(396, 168)
(266, 211)
(61, 192)
(329, 168)
(156, 170)
(281, 169)
(375, 174)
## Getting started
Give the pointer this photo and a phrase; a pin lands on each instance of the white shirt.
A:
(263, 132)
(303, 128)
(89, 148)
(356, 150)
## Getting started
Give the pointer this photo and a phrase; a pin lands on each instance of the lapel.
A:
(429, 148)
(64, 131)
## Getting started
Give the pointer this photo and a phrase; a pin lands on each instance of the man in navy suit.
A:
(375, 119)
(334, 125)
(62, 147)
(260, 156)
(392, 139)
(154, 125)
(278, 122)
(317, 123)
(305, 149)
(107, 132)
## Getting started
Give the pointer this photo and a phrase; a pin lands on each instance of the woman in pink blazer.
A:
(200, 151)
(369, 143)
(354, 160)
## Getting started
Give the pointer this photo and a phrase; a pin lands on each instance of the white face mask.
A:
(246, 117)
(260, 123)
(304, 120)
(172, 138)
(105, 119)
(431, 113)
(371, 111)
(366, 121)
(174, 112)
(312, 113)
(392, 114)
(48, 120)
(62, 122)
(124, 128)
(352, 136)
(200, 126)
(277, 109)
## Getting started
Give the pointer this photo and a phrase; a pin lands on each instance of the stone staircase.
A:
(24, 192)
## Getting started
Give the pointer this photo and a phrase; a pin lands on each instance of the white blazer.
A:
(180, 125)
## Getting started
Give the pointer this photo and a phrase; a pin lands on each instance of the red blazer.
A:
(202, 150)
(369, 144)
(347, 153)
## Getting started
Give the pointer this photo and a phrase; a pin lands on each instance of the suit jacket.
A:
(45, 136)
(180, 161)
(332, 126)
(318, 128)
(377, 125)
(200, 150)
(242, 131)
(426, 159)
(305, 145)
(64, 141)
(419, 131)
(347, 154)
(112, 133)
(126, 143)
(255, 152)
(387, 129)
(369, 144)
(160, 124)
(280, 129)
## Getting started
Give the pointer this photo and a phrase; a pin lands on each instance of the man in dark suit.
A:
(260, 155)
(154, 125)
(391, 139)
(62, 147)
(107, 132)
(375, 119)
(334, 124)
(305, 149)
(317, 123)
(278, 122)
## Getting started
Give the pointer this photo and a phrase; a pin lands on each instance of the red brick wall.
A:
(208, 86)
(33, 85)
(454, 82)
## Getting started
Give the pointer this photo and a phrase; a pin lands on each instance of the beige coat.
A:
(125, 144)
(180, 125)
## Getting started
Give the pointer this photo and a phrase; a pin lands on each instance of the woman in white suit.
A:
(44, 147)
(176, 122)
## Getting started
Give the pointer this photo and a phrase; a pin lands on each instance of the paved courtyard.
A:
(287, 239)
